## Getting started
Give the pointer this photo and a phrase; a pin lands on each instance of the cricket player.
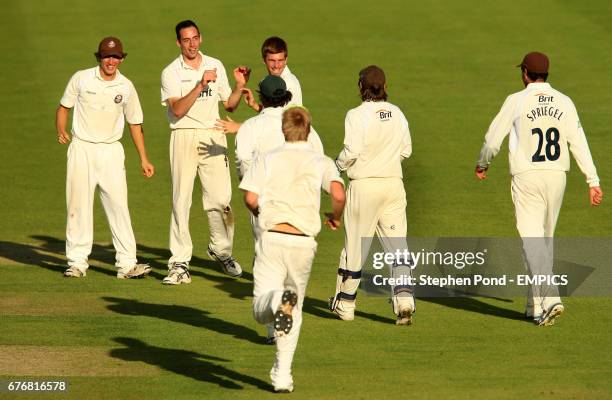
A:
(263, 133)
(542, 123)
(102, 98)
(274, 53)
(376, 141)
(192, 87)
(283, 189)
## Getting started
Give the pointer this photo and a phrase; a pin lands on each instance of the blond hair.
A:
(296, 124)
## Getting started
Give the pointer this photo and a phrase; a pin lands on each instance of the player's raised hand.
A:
(249, 99)
(331, 222)
(595, 195)
(227, 125)
(241, 75)
(148, 169)
(210, 75)
(63, 137)
(481, 173)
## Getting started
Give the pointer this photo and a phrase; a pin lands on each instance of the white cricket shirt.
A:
(376, 140)
(178, 79)
(293, 85)
(288, 181)
(100, 106)
(542, 122)
(262, 133)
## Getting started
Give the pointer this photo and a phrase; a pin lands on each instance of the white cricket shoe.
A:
(548, 318)
(178, 273)
(287, 389)
(281, 380)
(404, 317)
(533, 312)
(229, 265)
(74, 272)
(135, 272)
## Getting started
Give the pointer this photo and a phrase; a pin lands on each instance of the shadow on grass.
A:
(320, 308)
(185, 315)
(237, 288)
(241, 288)
(193, 365)
(50, 254)
(474, 305)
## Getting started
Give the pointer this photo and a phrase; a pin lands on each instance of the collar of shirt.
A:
(272, 111)
(372, 104)
(285, 72)
(99, 76)
(539, 85)
(184, 65)
(298, 145)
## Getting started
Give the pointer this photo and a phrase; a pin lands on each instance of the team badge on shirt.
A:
(383, 114)
(118, 98)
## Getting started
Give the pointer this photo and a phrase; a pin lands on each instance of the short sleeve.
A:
(330, 174)
(254, 179)
(71, 92)
(223, 83)
(133, 110)
(170, 85)
(245, 145)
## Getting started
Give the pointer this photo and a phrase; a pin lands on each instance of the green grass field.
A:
(449, 66)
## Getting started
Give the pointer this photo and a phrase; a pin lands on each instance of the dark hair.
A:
(185, 24)
(273, 45)
(275, 102)
(534, 76)
(373, 92)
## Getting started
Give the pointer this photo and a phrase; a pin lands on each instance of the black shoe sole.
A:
(289, 297)
(283, 321)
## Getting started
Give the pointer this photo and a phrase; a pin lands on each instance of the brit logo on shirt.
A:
(544, 98)
(207, 92)
(384, 115)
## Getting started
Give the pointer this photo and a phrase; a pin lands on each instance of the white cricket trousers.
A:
(256, 230)
(537, 197)
(282, 262)
(202, 152)
(373, 205)
(102, 165)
